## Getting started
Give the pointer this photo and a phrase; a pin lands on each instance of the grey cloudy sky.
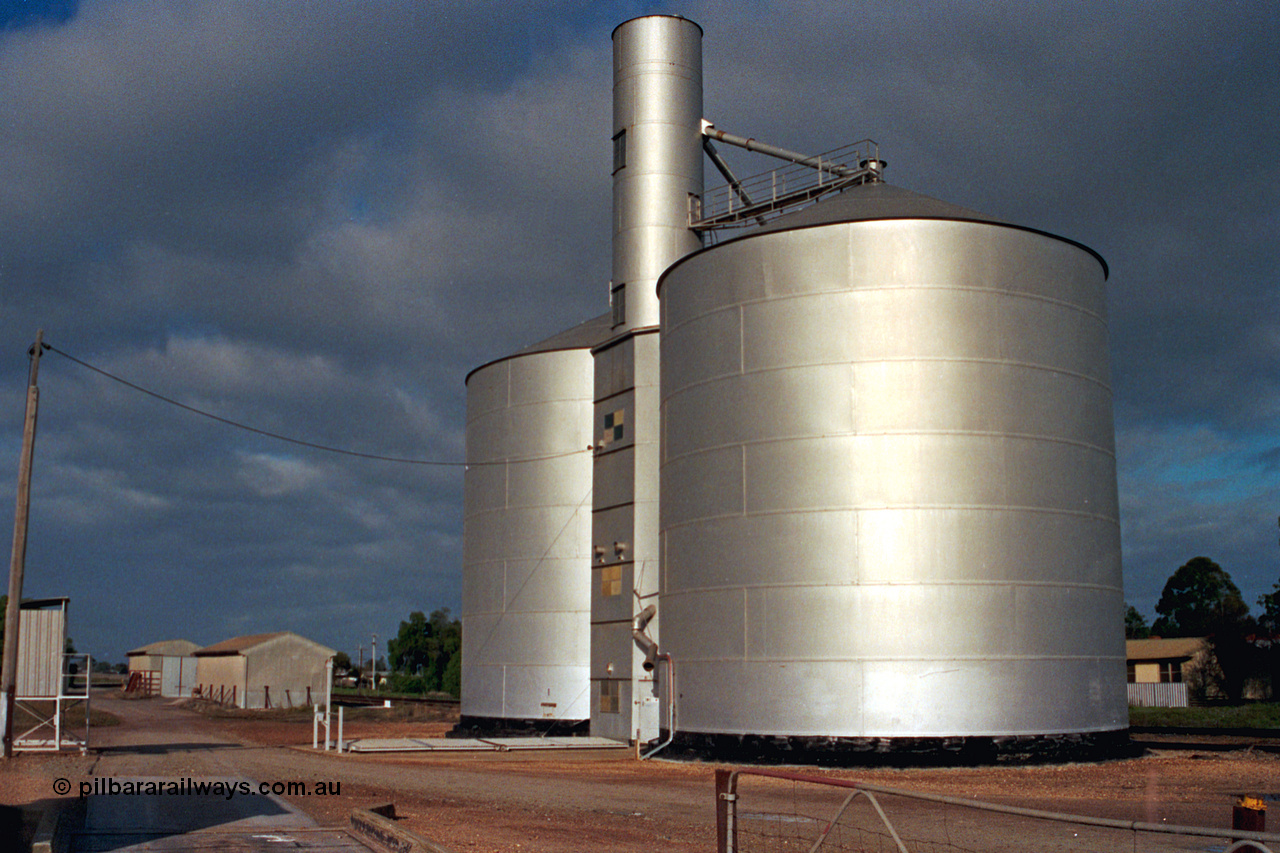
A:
(315, 218)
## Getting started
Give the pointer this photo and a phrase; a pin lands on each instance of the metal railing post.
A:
(328, 700)
(88, 697)
(726, 811)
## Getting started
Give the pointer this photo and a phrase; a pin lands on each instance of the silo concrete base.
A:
(903, 751)
(472, 726)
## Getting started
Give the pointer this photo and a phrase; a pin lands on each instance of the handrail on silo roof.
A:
(763, 196)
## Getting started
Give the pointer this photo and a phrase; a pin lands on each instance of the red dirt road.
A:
(607, 800)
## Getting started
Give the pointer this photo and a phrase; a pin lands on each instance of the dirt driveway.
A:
(607, 800)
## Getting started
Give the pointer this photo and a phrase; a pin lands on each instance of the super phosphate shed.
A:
(277, 670)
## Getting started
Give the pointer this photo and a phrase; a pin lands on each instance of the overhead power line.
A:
(301, 443)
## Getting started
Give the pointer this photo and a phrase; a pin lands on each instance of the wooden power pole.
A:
(17, 562)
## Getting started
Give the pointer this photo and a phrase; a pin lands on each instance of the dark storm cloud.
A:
(316, 218)
(310, 219)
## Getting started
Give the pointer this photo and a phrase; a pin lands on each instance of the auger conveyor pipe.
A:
(712, 132)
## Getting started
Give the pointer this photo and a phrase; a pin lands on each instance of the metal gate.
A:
(781, 811)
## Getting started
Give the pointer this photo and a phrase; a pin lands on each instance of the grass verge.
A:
(1253, 715)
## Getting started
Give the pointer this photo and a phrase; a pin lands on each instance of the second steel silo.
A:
(526, 574)
(889, 510)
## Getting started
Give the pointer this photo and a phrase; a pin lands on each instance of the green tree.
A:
(1235, 648)
(449, 667)
(1269, 621)
(448, 632)
(451, 681)
(425, 647)
(341, 664)
(1135, 624)
(412, 648)
(1269, 628)
(1199, 599)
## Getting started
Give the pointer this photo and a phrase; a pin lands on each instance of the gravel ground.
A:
(606, 800)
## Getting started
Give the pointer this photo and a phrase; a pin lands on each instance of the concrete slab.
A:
(210, 813)
(490, 744)
(232, 841)
(514, 743)
(413, 744)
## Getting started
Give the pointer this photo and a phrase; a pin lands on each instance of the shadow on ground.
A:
(165, 748)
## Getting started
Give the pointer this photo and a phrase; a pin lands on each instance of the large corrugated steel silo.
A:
(888, 481)
(526, 599)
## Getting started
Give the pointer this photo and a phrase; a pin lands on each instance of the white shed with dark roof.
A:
(276, 670)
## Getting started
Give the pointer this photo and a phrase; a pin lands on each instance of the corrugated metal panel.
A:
(625, 512)
(178, 676)
(888, 484)
(42, 637)
(1158, 695)
(657, 126)
(526, 566)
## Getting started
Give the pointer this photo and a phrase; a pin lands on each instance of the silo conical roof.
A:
(879, 201)
(585, 335)
(874, 201)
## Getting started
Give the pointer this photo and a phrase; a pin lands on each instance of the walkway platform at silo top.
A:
(475, 744)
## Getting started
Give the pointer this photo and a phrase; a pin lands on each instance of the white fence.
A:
(1158, 695)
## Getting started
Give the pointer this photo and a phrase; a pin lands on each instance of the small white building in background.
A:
(166, 668)
(277, 670)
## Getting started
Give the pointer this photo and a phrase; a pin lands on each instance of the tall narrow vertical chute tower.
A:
(657, 170)
(657, 158)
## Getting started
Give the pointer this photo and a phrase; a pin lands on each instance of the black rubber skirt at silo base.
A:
(469, 726)
(902, 751)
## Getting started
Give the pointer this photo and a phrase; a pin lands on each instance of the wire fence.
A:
(774, 811)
